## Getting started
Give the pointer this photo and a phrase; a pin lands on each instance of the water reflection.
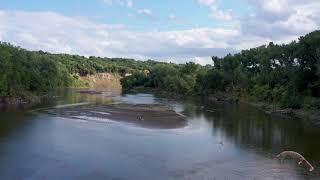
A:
(222, 141)
(247, 126)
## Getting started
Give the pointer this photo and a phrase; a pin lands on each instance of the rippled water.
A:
(221, 141)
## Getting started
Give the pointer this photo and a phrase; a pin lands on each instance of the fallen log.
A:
(296, 156)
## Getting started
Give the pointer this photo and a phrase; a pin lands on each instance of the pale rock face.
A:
(103, 82)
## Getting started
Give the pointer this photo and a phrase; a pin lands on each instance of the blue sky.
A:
(167, 30)
(190, 12)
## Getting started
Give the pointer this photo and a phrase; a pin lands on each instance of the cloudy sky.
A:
(167, 30)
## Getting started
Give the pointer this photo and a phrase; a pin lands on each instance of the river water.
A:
(221, 141)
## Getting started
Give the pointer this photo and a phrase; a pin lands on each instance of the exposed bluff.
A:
(103, 81)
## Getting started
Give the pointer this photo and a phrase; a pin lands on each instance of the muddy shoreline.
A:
(311, 116)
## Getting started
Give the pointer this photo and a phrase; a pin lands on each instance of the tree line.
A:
(287, 75)
(37, 71)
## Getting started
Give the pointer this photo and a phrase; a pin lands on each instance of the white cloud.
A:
(173, 17)
(57, 33)
(225, 15)
(108, 2)
(203, 60)
(215, 12)
(127, 3)
(146, 13)
(131, 15)
(277, 18)
(274, 9)
(208, 2)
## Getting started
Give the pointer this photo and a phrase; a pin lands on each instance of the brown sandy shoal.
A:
(150, 116)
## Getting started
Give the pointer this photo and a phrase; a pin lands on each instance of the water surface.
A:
(221, 141)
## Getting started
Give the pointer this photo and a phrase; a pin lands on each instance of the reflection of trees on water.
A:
(249, 127)
(73, 96)
(12, 121)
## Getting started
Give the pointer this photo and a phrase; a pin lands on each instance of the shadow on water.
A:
(12, 120)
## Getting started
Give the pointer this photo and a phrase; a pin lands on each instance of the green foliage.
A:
(263, 93)
(210, 81)
(28, 71)
(284, 74)
(294, 102)
(138, 78)
(25, 71)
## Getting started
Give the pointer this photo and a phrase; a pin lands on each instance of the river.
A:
(220, 141)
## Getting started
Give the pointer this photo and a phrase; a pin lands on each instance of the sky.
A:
(166, 30)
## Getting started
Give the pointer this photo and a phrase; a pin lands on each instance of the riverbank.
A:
(313, 116)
